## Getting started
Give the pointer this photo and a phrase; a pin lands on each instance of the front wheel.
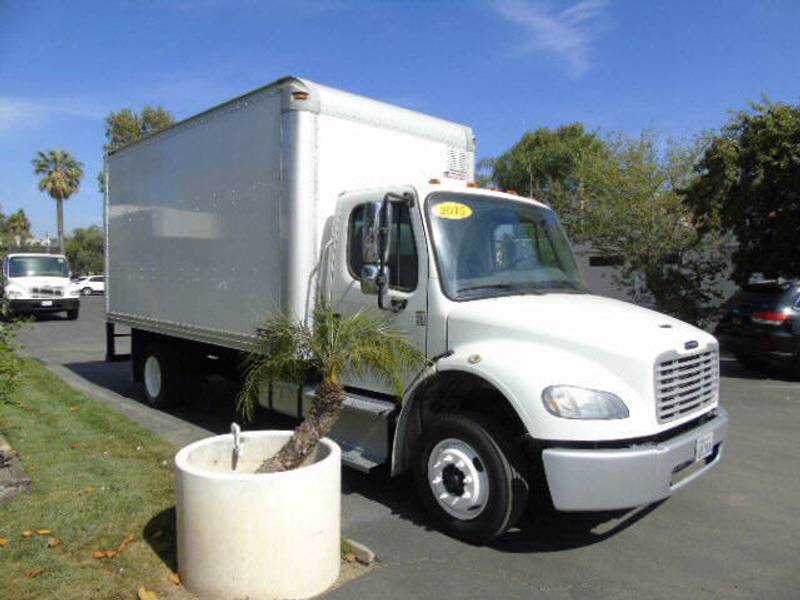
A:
(470, 477)
(87, 291)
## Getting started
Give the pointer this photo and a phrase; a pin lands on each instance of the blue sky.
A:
(502, 67)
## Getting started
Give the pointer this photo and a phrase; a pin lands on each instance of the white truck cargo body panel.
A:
(218, 221)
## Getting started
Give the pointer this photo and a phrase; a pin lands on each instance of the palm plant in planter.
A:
(322, 351)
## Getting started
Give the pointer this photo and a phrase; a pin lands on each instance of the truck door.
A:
(407, 296)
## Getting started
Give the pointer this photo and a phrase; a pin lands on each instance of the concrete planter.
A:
(257, 536)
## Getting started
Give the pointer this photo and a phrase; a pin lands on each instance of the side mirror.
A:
(375, 243)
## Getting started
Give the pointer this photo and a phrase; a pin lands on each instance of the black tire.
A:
(72, 315)
(504, 467)
(751, 363)
(160, 378)
(87, 291)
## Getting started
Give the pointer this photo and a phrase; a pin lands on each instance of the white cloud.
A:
(568, 33)
(23, 113)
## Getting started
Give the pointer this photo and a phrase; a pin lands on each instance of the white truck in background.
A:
(535, 387)
(35, 283)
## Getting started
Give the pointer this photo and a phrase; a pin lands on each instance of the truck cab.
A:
(39, 283)
(536, 386)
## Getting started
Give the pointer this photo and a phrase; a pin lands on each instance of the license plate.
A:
(704, 446)
(47, 303)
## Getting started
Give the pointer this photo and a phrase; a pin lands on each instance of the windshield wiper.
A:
(488, 286)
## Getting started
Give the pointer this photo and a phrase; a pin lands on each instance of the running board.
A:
(362, 429)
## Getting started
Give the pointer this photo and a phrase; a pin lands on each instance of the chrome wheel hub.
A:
(458, 479)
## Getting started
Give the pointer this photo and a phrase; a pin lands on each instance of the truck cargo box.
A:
(218, 221)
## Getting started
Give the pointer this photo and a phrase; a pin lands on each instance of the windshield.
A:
(492, 247)
(38, 266)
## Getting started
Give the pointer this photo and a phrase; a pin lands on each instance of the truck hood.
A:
(574, 339)
(576, 322)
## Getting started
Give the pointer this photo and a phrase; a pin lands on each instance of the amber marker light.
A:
(300, 95)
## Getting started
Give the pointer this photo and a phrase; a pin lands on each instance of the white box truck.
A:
(536, 386)
(36, 283)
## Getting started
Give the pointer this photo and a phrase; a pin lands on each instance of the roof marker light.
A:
(300, 95)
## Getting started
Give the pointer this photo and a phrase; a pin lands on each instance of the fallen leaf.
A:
(99, 554)
(74, 408)
(28, 533)
(44, 531)
(127, 542)
(350, 557)
(75, 445)
(53, 542)
(174, 578)
(145, 594)
(89, 489)
(35, 572)
(3, 542)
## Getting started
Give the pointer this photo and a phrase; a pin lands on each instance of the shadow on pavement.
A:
(213, 409)
(729, 367)
(540, 530)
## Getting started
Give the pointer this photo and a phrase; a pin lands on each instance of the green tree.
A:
(636, 212)
(126, 126)
(61, 175)
(748, 183)
(322, 351)
(546, 164)
(86, 250)
(17, 224)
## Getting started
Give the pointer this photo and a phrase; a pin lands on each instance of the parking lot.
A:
(734, 534)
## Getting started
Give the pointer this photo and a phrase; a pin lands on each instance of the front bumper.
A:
(610, 479)
(25, 306)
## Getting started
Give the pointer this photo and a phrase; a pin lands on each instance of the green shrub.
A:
(10, 366)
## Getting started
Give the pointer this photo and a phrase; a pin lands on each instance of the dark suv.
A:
(760, 324)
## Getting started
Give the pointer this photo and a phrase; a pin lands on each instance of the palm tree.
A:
(61, 178)
(363, 343)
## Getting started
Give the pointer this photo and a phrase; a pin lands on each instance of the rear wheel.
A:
(87, 291)
(160, 377)
(470, 478)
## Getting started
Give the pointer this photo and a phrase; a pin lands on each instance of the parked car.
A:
(93, 284)
(760, 324)
(38, 283)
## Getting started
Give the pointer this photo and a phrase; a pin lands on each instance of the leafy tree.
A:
(635, 210)
(125, 126)
(546, 164)
(748, 183)
(323, 351)
(16, 224)
(61, 175)
(86, 250)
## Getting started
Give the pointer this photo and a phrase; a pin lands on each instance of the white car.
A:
(94, 284)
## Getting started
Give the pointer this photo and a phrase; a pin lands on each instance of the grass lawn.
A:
(98, 479)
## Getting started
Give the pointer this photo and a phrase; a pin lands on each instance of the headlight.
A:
(14, 292)
(571, 402)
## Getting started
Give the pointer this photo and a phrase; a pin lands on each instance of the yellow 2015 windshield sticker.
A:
(452, 210)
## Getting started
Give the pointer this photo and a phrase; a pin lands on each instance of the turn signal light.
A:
(472, 184)
(433, 181)
(769, 318)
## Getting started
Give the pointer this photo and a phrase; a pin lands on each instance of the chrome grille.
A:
(684, 384)
(47, 292)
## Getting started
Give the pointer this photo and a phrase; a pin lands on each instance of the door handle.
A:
(398, 304)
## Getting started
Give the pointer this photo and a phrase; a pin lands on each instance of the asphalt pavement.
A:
(733, 534)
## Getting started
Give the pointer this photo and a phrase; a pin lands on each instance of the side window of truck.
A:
(403, 264)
